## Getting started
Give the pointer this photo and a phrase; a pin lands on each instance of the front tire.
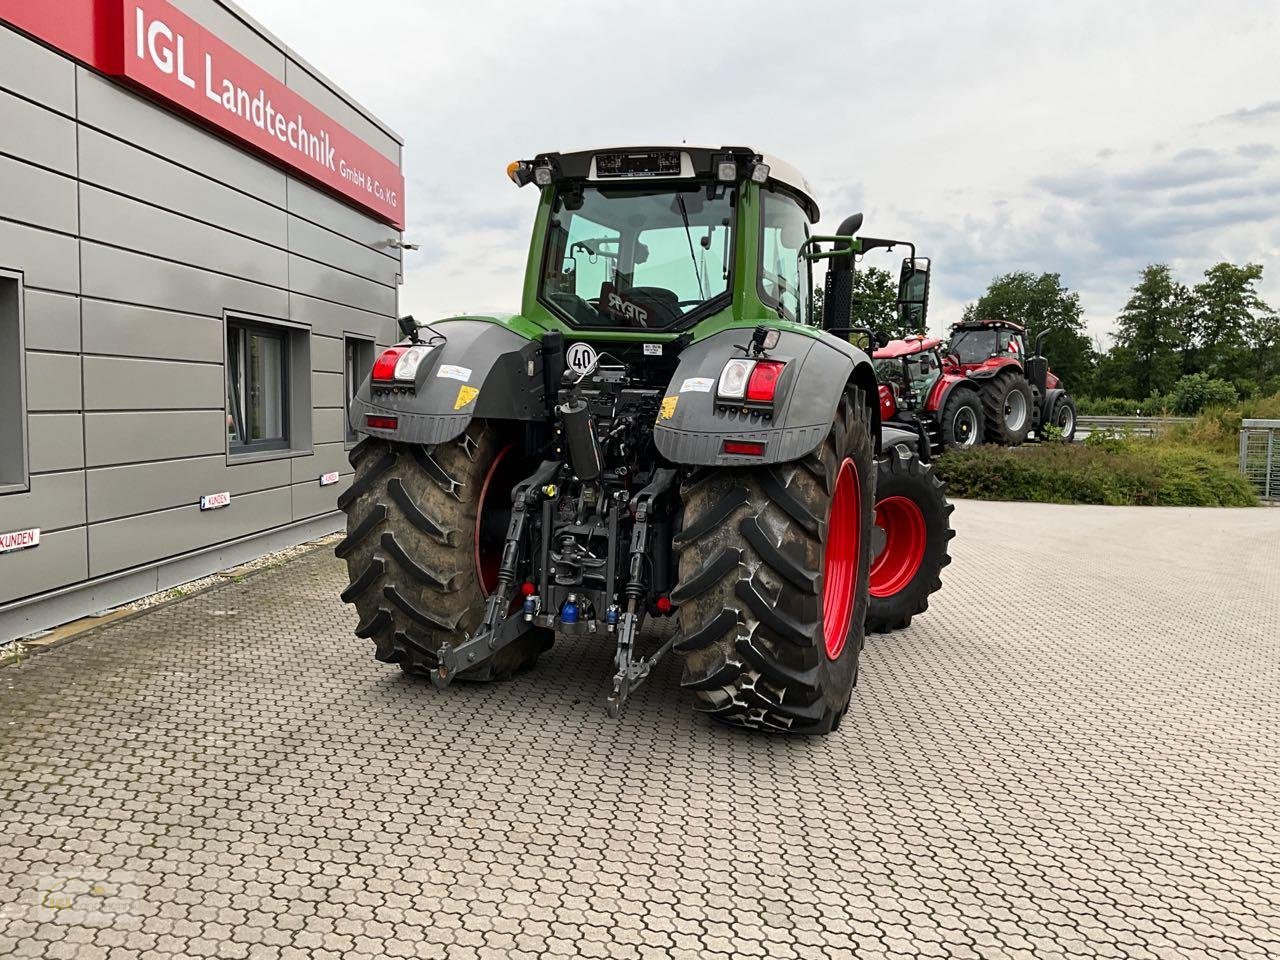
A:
(772, 589)
(419, 551)
(1007, 402)
(913, 513)
(1063, 416)
(962, 419)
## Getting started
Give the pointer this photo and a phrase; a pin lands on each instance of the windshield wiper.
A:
(684, 215)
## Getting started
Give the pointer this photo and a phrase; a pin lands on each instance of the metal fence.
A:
(1143, 426)
(1260, 456)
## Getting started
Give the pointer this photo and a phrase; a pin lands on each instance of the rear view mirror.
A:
(913, 293)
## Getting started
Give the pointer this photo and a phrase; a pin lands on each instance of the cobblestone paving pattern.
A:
(1076, 752)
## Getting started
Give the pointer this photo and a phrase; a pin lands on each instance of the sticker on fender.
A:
(453, 372)
(668, 408)
(465, 396)
(697, 385)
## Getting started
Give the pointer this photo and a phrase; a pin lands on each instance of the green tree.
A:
(1229, 322)
(1147, 357)
(875, 302)
(1042, 303)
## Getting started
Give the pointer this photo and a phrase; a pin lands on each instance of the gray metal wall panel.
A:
(333, 319)
(60, 559)
(327, 390)
(111, 108)
(299, 79)
(125, 330)
(119, 544)
(327, 354)
(37, 196)
(56, 441)
(121, 222)
(328, 426)
(136, 278)
(47, 260)
(311, 499)
(112, 438)
(327, 458)
(309, 203)
(317, 243)
(140, 488)
(52, 321)
(36, 72)
(120, 383)
(36, 134)
(53, 381)
(235, 33)
(55, 502)
(118, 166)
(316, 280)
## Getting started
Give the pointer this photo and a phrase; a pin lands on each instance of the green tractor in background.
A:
(660, 432)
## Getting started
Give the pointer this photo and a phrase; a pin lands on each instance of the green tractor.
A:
(661, 432)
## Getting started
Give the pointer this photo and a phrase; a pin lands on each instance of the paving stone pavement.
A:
(1076, 752)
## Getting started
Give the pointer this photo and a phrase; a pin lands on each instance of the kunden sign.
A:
(155, 46)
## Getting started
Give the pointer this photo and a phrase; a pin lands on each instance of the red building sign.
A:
(154, 46)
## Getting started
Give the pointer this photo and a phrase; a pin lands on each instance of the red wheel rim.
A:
(904, 542)
(840, 565)
(488, 561)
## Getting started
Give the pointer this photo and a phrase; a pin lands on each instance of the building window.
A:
(268, 388)
(357, 362)
(13, 393)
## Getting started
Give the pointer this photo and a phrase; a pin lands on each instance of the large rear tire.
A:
(772, 590)
(913, 513)
(962, 419)
(1007, 403)
(419, 550)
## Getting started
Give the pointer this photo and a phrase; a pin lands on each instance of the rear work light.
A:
(752, 380)
(743, 448)
(381, 423)
(399, 363)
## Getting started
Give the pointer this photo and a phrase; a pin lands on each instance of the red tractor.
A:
(1018, 390)
(920, 392)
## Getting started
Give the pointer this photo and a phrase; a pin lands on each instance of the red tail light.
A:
(384, 368)
(743, 448)
(381, 423)
(764, 380)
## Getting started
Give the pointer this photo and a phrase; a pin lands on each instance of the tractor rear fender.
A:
(694, 423)
(475, 368)
(993, 366)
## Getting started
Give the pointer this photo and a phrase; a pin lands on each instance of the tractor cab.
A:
(978, 343)
(909, 367)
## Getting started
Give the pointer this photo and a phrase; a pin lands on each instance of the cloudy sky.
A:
(1087, 138)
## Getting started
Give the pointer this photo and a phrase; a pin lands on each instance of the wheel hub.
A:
(1015, 410)
(840, 564)
(905, 538)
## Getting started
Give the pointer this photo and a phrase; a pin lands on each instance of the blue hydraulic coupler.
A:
(569, 611)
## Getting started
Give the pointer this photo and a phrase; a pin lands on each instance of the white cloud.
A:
(1086, 138)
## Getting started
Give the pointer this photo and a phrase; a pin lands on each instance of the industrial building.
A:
(199, 255)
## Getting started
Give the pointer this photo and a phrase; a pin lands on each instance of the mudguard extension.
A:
(476, 368)
(691, 430)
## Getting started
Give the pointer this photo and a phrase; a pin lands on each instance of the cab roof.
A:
(701, 160)
(906, 347)
(988, 325)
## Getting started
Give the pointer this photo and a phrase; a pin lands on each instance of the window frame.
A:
(349, 387)
(772, 302)
(295, 388)
(20, 481)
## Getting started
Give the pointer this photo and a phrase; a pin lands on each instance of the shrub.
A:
(1197, 391)
(1117, 470)
(1154, 406)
